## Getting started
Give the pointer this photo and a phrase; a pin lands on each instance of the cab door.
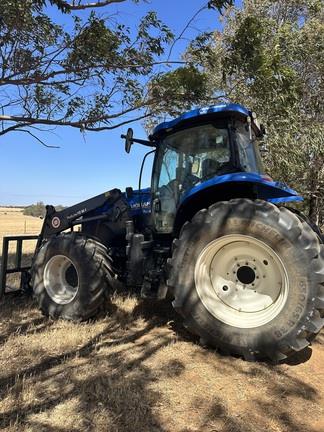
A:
(165, 189)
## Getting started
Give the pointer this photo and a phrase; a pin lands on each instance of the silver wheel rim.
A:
(61, 279)
(241, 281)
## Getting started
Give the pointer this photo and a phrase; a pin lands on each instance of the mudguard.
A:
(265, 187)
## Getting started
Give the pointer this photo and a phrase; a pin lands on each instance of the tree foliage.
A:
(270, 58)
(90, 73)
(39, 209)
(36, 210)
(87, 77)
(178, 90)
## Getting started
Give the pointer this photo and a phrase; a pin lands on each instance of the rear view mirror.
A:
(128, 139)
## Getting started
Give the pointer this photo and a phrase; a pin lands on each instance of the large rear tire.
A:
(248, 278)
(71, 276)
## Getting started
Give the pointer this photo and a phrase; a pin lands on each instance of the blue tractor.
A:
(213, 233)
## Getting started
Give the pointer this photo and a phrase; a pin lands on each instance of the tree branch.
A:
(79, 6)
(80, 124)
(17, 128)
(40, 79)
(186, 28)
(36, 138)
(13, 128)
(102, 128)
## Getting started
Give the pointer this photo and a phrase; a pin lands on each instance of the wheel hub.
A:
(246, 275)
(61, 279)
(241, 280)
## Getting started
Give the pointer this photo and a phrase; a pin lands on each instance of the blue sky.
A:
(87, 165)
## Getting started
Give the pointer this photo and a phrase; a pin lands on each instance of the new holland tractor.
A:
(213, 234)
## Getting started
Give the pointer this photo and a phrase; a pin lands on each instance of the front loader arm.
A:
(54, 223)
(58, 221)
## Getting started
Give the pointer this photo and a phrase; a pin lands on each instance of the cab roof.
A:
(201, 112)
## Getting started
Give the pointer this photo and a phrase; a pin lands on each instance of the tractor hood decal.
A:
(140, 201)
(268, 190)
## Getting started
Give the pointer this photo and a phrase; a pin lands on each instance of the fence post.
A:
(4, 263)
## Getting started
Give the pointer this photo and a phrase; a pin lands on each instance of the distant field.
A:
(12, 221)
(11, 209)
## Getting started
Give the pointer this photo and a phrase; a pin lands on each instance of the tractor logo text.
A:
(76, 214)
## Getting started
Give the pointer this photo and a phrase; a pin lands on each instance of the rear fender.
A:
(230, 186)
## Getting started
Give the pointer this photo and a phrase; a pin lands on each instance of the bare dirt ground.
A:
(135, 369)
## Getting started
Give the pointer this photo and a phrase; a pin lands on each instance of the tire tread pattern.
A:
(298, 229)
(93, 256)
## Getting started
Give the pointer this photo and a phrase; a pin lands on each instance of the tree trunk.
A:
(314, 191)
(314, 209)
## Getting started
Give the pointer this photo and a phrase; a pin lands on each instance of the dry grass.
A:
(135, 370)
(12, 222)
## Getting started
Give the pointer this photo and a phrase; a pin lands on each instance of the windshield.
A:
(186, 158)
(193, 155)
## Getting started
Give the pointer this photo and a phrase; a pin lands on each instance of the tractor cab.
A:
(197, 147)
(204, 156)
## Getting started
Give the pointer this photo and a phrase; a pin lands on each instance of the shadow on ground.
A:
(138, 370)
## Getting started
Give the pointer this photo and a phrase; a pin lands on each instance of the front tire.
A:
(248, 278)
(71, 276)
